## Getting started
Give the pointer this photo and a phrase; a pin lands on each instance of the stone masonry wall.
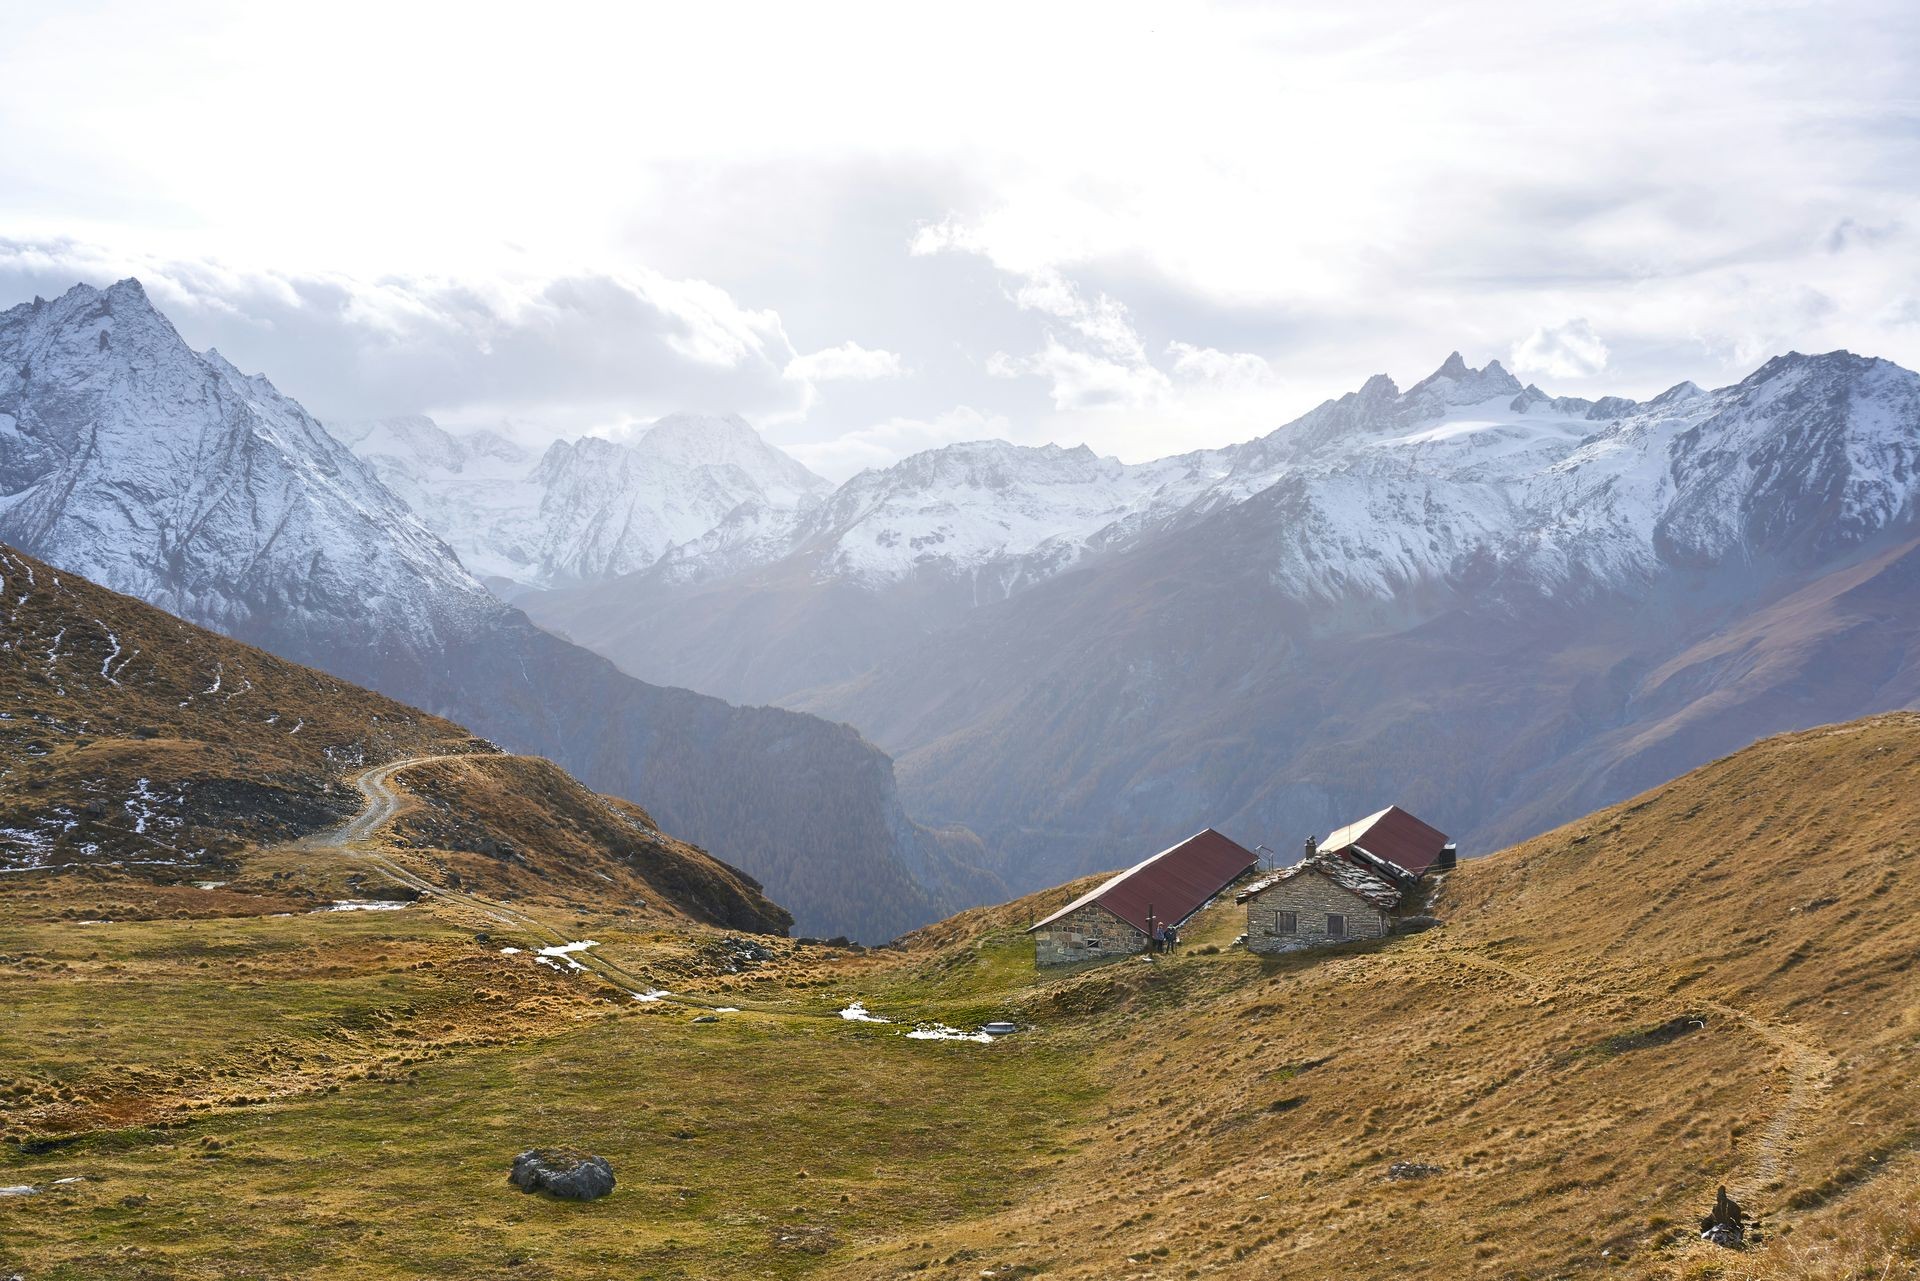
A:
(1086, 934)
(1310, 897)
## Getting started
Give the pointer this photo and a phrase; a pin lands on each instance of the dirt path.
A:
(1810, 1066)
(387, 801)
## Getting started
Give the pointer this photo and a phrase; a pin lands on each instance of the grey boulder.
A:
(563, 1173)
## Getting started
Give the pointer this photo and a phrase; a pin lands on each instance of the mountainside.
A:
(129, 458)
(584, 510)
(1708, 986)
(1497, 606)
(141, 747)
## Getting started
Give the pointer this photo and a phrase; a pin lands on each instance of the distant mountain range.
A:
(171, 476)
(1498, 606)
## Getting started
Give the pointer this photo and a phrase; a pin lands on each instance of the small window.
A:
(1286, 923)
(1336, 926)
(1093, 942)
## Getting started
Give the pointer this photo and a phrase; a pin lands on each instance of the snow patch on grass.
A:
(560, 957)
(858, 1013)
(941, 1032)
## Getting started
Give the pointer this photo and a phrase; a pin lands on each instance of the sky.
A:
(875, 229)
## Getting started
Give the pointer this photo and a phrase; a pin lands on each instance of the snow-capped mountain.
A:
(1049, 642)
(167, 474)
(170, 475)
(582, 510)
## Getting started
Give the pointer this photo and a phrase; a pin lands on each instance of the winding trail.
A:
(1810, 1066)
(387, 801)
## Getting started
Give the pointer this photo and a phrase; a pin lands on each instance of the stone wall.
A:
(1086, 934)
(1310, 897)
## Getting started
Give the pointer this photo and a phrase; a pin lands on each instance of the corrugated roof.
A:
(1394, 835)
(1349, 876)
(1173, 883)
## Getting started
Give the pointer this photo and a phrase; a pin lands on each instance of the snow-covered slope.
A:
(1465, 473)
(587, 509)
(170, 475)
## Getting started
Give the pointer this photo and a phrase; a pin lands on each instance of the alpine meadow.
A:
(871, 641)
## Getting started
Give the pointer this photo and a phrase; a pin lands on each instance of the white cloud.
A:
(578, 351)
(849, 362)
(1227, 368)
(1570, 349)
(1083, 379)
(1329, 189)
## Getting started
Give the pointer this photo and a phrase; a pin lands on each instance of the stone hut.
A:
(1118, 916)
(1323, 899)
(1348, 886)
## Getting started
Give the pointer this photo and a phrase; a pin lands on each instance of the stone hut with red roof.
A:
(1350, 887)
(1118, 916)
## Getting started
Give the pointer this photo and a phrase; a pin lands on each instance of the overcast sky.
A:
(874, 229)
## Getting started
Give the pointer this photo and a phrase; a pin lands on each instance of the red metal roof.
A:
(1173, 884)
(1394, 835)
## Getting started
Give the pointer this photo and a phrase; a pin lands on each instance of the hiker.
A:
(1173, 938)
(1159, 938)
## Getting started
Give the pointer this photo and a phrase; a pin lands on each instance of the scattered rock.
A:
(746, 951)
(562, 1172)
(1726, 1224)
(1412, 1170)
(707, 1018)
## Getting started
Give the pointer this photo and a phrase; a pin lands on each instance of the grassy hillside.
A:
(151, 768)
(1709, 984)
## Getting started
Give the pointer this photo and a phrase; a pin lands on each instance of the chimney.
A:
(1449, 854)
(1313, 847)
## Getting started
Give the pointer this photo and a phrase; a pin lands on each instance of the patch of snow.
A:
(941, 1032)
(509, 951)
(107, 663)
(649, 998)
(858, 1013)
(562, 955)
(726, 1009)
(364, 905)
(19, 1189)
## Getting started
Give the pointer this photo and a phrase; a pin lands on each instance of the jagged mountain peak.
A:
(1456, 383)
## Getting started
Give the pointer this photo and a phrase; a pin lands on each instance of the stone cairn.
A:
(1727, 1224)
